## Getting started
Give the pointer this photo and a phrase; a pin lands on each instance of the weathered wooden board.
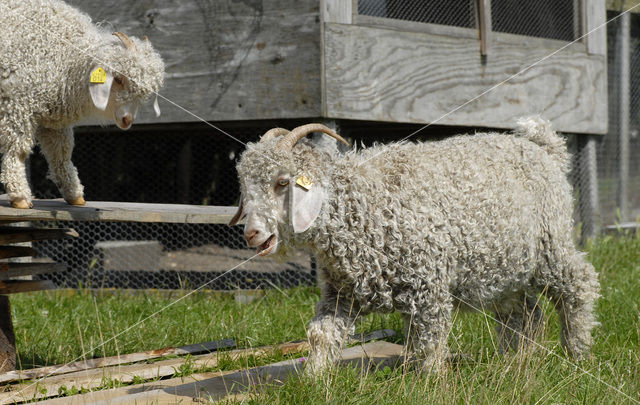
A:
(16, 234)
(58, 209)
(94, 378)
(227, 59)
(215, 386)
(12, 270)
(7, 252)
(116, 360)
(20, 286)
(389, 75)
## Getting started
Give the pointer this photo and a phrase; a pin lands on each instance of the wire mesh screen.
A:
(190, 165)
(555, 19)
(459, 13)
(619, 176)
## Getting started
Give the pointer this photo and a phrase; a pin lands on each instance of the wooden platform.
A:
(59, 210)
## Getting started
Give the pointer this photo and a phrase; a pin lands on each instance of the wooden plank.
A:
(12, 270)
(15, 251)
(7, 337)
(388, 75)
(58, 209)
(220, 385)
(595, 15)
(20, 286)
(116, 360)
(227, 60)
(24, 234)
(337, 11)
(94, 378)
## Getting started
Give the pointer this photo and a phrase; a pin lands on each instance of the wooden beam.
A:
(94, 378)
(15, 251)
(19, 286)
(220, 385)
(48, 210)
(595, 15)
(19, 234)
(337, 11)
(484, 25)
(12, 270)
(117, 360)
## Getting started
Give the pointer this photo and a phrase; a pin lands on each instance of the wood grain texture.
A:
(226, 59)
(58, 209)
(388, 75)
(338, 11)
(24, 234)
(15, 251)
(207, 387)
(12, 270)
(14, 287)
(595, 15)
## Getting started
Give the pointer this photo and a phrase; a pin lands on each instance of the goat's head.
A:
(131, 72)
(283, 184)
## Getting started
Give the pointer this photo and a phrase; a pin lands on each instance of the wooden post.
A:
(623, 116)
(7, 338)
(484, 25)
(588, 184)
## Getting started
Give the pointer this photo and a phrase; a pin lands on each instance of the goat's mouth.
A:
(268, 246)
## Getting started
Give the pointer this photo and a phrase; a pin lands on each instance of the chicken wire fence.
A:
(555, 19)
(194, 164)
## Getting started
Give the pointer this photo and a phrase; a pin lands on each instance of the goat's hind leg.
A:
(519, 321)
(57, 147)
(574, 292)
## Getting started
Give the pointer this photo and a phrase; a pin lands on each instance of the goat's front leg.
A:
(57, 147)
(427, 327)
(14, 176)
(329, 329)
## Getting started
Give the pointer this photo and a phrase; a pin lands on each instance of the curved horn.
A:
(300, 132)
(126, 41)
(273, 133)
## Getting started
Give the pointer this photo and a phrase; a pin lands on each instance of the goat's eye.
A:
(283, 182)
(118, 81)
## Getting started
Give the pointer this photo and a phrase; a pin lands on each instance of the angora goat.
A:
(480, 221)
(57, 68)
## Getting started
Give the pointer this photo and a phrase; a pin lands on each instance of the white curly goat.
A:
(57, 68)
(478, 221)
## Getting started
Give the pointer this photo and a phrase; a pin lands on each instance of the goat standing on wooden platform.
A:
(480, 221)
(57, 68)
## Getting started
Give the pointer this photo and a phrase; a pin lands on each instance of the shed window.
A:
(555, 19)
(459, 13)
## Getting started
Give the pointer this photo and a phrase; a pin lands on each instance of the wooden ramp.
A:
(58, 209)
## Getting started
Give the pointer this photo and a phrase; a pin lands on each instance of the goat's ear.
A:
(304, 206)
(239, 215)
(100, 82)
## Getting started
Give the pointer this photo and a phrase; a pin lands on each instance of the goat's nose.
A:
(127, 120)
(251, 234)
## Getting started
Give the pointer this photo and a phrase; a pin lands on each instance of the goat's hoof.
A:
(22, 204)
(75, 201)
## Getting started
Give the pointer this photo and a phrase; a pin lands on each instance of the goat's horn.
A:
(273, 133)
(126, 41)
(300, 132)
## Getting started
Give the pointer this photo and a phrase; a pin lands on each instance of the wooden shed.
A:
(407, 61)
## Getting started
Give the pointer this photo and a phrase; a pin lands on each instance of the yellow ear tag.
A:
(304, 182)
(98, 75)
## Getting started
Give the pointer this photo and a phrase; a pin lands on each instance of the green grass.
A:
(56, 327)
